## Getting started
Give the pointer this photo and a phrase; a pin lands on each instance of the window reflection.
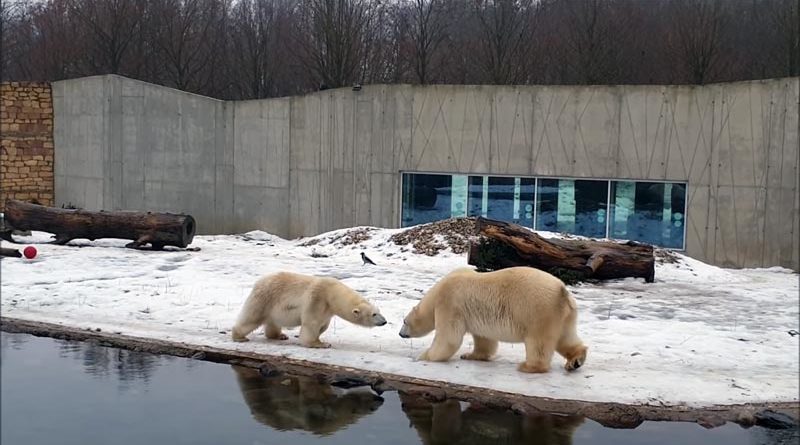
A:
(650, 212)
(503, 198)
(572, 206)
(432, 197)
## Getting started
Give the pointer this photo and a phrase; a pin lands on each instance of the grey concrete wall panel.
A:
(451, 129)
(223, 169)
(551, 153)
(511, 133)
(596, 132)
(79, 133)
(308, 164)
(402, 97)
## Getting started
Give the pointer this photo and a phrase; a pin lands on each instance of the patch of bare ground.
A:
(347, 238)
(432, 238)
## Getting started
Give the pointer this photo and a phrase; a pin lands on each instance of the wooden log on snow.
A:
(505, 245)
(4, 251)
(156, 229)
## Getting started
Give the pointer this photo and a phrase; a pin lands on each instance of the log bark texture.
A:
(156, 229)
(4, 251)
(505, 245)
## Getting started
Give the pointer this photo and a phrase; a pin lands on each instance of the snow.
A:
(699, 336)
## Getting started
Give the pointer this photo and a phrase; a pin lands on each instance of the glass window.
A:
(572, 206)
(650, 212)
(503, 198)
(432, 197)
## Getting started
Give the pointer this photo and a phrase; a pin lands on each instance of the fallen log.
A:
(156, 229)
(503, 245)
(4, 251)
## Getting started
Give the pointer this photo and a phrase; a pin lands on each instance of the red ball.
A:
(29, 252)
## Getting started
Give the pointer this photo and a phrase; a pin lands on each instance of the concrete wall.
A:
(307, 164)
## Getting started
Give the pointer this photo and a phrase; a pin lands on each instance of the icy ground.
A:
(698, 336)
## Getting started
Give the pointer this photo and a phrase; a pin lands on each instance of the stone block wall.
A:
(26, 142)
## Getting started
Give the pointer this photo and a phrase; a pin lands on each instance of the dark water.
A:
(57, 392)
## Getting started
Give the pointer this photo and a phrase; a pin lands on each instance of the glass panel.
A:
(432, 197)
(650, 212)
(458, 200)
(502, 198)
(478, 191)
(572, 206)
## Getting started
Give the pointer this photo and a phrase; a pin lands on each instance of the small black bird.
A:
(366, 260)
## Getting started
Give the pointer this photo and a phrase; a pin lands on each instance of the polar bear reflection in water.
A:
(288, 403)
(300, 403)
(447, 423)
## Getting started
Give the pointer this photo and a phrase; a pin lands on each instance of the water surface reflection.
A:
(65, 392)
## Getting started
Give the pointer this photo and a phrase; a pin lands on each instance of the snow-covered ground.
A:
(698, 336)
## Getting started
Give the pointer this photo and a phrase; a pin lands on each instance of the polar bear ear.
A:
(356, 312)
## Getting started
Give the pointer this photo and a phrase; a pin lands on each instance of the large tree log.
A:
(4, 251)
(156, 229)
(507, 245)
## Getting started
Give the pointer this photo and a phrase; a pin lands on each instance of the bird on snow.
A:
(366, 260)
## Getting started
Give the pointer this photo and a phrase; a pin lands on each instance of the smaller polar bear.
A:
(515, 305)
(287, 300)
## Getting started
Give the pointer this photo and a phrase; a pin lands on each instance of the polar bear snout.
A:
(404, 331)
(378, 320)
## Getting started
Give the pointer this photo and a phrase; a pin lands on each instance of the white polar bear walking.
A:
(287, 300)
(515, 305)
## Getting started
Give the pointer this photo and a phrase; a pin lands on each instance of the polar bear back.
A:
(505, 304)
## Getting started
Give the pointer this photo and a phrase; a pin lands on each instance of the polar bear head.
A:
(418, 323)
(367, 315)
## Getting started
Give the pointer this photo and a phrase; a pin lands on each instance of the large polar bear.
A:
(517, 304)
(287, 300)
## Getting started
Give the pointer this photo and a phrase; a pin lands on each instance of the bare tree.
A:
(592, 40)
(334, 38)
(781, 18)
(185, 40)
(257, 53)
(427, 24)
(696, 37)
(111, 27)
(504, 29)
(262, 48)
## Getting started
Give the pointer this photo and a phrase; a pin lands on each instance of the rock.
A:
(199, 355)
(267, 371)
(774, 420)
(428, 393)
(745, 419)
(524, 409)
(348, 382)
(711, 421)
(613, 416)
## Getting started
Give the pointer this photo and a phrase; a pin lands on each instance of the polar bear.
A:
(517, 304)
(286, 300)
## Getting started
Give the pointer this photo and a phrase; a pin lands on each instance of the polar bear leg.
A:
(309, 337)
(483, 349)
(539, 351)
(246, 324)
(448, 338)
(273, 332)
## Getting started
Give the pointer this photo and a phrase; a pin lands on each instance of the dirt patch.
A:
(664, 256)
(609, 414)
(430, 239)
(348, 238)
